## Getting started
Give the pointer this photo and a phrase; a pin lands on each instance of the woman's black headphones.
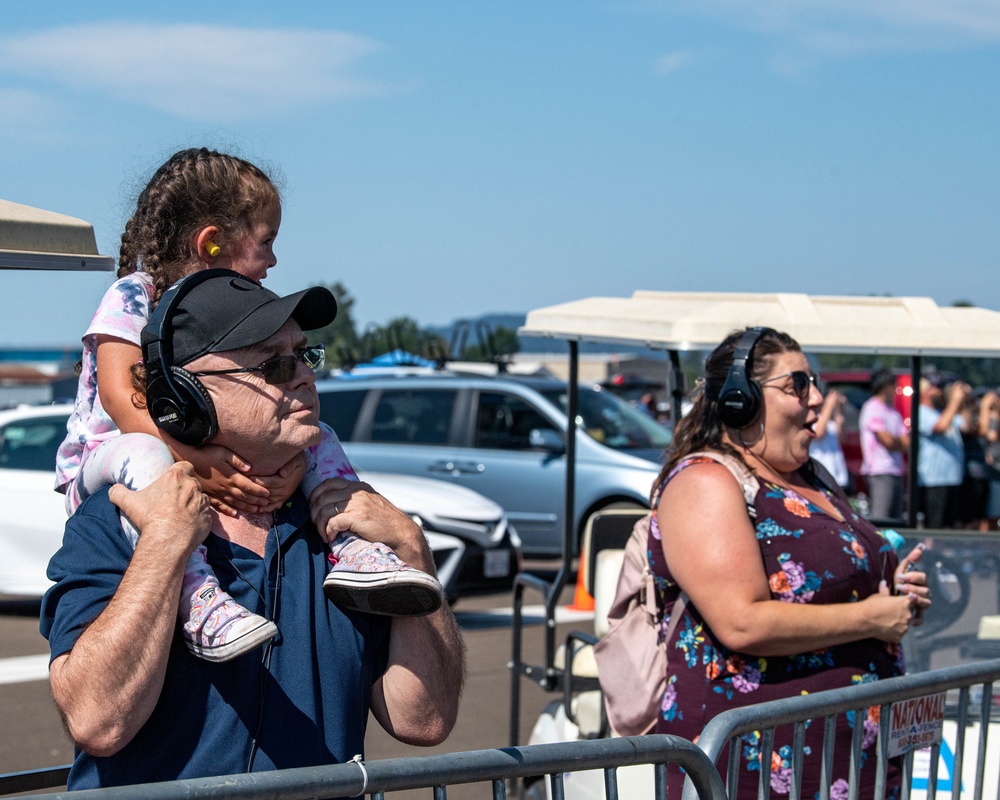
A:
(177, 401)
(739, 399)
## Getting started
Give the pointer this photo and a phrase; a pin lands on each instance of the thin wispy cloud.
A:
(202, 72)
(845, 28)
(671, 62)
(19, 104)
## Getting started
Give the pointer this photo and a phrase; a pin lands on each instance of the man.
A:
(884, 439)
(941, 462)
(139, 707)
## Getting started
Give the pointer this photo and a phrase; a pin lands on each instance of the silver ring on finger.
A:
(336, 507)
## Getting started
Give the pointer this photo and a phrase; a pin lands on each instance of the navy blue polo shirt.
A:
(309, 696)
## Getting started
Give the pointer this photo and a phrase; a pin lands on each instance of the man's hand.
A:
(173, 506)
(339, 504)
(109, 683)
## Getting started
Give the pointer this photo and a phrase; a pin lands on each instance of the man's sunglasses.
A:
(281, 369)
(801, 382)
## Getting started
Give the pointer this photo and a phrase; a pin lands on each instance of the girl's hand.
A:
(913, 584)
(284, 484)
(221, 473)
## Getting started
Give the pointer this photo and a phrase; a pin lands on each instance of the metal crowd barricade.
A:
(436, 773)
(727, 729)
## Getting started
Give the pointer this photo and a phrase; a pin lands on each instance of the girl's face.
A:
(253, 254)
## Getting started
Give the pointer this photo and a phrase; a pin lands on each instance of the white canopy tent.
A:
(31, 238)
(912, 326)
(680, 321)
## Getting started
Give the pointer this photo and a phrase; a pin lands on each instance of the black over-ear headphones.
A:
(740, 397)
(177, 401)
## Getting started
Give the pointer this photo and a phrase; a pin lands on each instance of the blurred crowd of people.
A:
(966, 424)
(958, 462)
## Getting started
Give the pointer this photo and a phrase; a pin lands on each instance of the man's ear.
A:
(205, 245)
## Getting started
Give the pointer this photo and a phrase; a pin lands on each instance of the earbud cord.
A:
(265, 663)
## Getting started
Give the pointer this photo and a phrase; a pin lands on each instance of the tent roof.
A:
(700, 320)
(31, 238)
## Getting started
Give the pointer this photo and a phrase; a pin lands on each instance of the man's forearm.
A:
(108, 684)
(426, 673)
(417, 699)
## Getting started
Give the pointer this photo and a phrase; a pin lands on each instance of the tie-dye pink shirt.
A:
(123, 313)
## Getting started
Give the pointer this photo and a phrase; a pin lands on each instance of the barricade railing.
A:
(435, 773)
(507, 766)
(728, 728)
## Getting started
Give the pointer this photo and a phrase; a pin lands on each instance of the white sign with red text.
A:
(916, 724)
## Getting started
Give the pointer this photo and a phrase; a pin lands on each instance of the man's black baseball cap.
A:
(222, 310)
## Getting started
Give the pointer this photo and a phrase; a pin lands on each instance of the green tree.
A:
(340, 336)
(401, 333)
(491, 344)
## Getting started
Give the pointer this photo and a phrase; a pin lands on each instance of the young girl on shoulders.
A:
(206, 209)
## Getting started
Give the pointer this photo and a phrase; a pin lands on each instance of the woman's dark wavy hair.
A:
(701, 428)
(194, 188)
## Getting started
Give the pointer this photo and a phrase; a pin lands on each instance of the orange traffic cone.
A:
(582, 599)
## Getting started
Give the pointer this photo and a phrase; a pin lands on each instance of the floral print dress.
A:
(809, 557)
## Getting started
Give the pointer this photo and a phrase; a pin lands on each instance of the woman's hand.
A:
(888, 616)
(913, 584)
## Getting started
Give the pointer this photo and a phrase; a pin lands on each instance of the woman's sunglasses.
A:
(281, 369)
(801, 382)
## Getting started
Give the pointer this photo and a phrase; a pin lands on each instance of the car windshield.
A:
(611, 421)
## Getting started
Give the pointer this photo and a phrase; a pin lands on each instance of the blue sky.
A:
(448, 159)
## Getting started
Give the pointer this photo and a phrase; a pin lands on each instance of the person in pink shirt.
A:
(884, 439)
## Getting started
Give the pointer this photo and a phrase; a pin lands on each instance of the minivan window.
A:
(504, 422)
(340, 411)
(613, 422)
(413, 416)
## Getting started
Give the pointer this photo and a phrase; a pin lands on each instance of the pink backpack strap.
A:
(740, 471)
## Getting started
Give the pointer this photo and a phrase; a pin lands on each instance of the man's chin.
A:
(317, 436)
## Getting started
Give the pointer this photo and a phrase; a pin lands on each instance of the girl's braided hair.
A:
(194, 188)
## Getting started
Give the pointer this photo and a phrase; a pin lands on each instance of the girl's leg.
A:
(215, 626)
(366, 576)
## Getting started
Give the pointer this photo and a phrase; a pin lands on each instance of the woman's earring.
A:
(760, 435)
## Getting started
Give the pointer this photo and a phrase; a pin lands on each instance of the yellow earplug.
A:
(212, 248)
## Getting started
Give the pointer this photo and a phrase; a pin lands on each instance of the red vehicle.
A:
(853, 384)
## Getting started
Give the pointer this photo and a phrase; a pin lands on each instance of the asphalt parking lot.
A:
(33, 735)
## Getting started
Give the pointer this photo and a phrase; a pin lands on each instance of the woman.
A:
(805, 597)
